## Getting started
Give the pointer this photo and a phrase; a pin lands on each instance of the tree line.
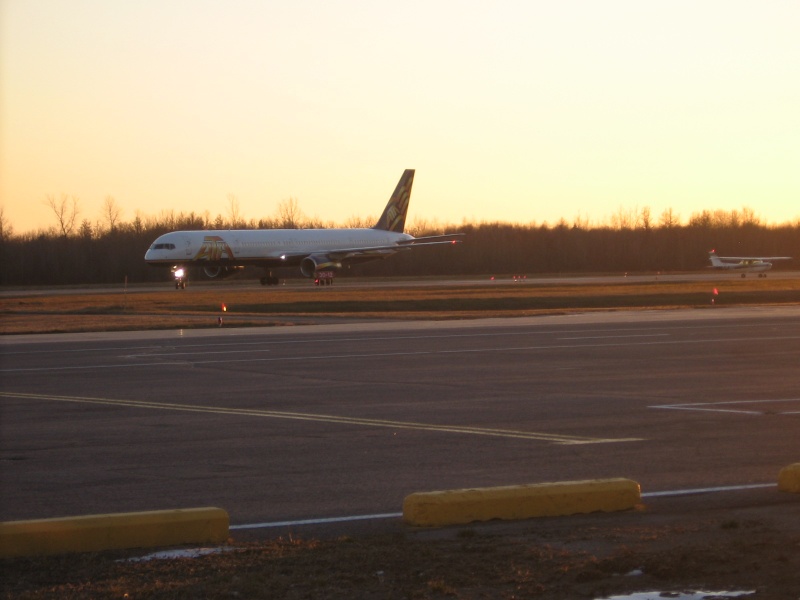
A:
(111, 251)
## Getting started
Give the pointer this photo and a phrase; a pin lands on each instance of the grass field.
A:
(201, 306)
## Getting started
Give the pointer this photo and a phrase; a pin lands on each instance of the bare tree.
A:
(233, 211)
(289, 214)
(138, 222)
(668, 219)
(167, 218)
(645, 221)
(749, 217)
(111, 213)
(85, 230)
(581, 222)
(6, 229)
(624, 218)
(66, 211)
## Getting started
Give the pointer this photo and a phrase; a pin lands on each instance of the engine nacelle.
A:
(316, 262)
(220, 272)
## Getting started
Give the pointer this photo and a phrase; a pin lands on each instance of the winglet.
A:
(394, 215)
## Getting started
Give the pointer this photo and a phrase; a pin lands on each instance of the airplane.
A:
(745, 264)
(317, 252)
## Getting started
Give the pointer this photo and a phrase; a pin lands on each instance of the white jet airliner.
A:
(744, 264)
(221, 252)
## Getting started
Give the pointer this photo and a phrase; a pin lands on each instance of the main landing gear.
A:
(270, 279)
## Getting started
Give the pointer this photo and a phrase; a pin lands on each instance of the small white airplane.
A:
(744, 264)
(316, 251)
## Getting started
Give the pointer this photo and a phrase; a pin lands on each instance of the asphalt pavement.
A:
(334, 422)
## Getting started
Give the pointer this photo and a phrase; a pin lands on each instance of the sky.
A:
(523, 112)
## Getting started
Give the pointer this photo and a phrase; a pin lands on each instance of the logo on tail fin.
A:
(394, 215)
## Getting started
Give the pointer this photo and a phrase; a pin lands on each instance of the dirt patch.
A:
(676, 547)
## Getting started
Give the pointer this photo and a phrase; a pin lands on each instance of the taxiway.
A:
(304, 423)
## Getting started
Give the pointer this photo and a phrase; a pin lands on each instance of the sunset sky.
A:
(509, 111)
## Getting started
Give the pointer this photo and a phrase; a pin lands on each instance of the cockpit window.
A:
(162, 247)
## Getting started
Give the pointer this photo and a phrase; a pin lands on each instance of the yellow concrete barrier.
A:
(94, 533)
(789, 479)
(520, 502)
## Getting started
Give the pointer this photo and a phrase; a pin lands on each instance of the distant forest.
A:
(111, 251)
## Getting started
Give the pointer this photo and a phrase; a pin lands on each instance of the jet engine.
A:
(316, 262)
(220, 272)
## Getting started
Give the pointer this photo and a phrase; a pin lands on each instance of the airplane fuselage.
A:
(264, 247)
(746, 266)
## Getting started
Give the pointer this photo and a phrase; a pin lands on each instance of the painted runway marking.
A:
(271, 414)
(606, 337)
(362, 355)
(713, 490)
(321, 521)
(713, 406)
(195, 353)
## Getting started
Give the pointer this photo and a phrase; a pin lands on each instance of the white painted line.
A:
(195, 353)
(329, 357)
(713, 490)
(718, 410)
(318, 521)
(711, 406)
(606, 337)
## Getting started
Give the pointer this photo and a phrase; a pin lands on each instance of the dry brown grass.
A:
(593, 557)
(199, 307)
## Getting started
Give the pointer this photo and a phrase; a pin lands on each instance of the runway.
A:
(299, 423)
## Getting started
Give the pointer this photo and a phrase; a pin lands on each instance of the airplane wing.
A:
(447, 238)
(755, 257)
(362, 251)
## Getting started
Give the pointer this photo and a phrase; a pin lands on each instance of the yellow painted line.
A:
(789, 479)
(95, 533)
(458, 507)
(506, 433)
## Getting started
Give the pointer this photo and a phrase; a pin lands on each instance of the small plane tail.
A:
(394, 215)
(715, 261)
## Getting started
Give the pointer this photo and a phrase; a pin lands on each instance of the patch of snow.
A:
(179, 553)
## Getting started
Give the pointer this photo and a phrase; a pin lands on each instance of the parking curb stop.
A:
(455, 507)
(95, 533)
(789, 479)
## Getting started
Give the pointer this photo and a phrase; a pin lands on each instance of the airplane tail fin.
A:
(715, 261)
(394, 215)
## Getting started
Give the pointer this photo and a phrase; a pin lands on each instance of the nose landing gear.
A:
(180, 278)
